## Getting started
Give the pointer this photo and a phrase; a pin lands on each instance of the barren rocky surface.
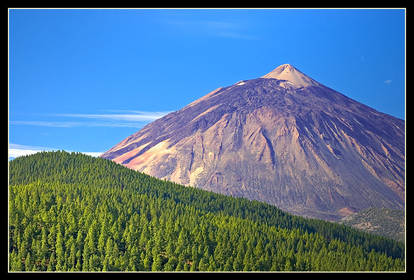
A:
(304, 148)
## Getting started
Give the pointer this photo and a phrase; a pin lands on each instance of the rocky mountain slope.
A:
(284, 139)
(385, 222)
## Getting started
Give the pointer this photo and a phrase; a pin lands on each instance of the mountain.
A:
(284, 139)
(74, 212)
(385, 222)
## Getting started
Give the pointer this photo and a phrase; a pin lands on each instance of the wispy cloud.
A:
(387, 82)
(216, 28)
(138, 116)
(16, 150)
(47, 123)
(66, 124)
(236, 35)
(124, 118)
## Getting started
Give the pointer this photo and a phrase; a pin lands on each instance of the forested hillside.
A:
(72, 212)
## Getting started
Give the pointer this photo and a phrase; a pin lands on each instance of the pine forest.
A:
(73, 212)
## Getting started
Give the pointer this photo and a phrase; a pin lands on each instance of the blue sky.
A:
(84, 79)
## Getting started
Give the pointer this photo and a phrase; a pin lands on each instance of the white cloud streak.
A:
(64, 124)
(139, 116)
(130, 118)
(47, 123)
(16, 150)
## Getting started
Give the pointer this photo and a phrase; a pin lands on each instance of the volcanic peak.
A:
(311, 151)
(292, 75)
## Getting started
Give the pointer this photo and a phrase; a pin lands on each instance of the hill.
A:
(73, 212)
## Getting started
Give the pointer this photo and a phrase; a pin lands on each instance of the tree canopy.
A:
(73, 212)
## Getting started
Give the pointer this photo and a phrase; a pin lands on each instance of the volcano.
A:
(284, 139)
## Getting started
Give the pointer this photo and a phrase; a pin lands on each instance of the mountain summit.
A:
(284, 139)
(293, 76)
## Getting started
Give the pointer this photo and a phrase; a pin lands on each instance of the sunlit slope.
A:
(76, 212)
